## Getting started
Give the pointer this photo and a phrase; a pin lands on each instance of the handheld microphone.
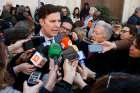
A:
(55, 52)
(71, 51)
(80, 54)
(39, 57)
(66, 42)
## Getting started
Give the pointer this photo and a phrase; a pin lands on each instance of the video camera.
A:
(33, 43)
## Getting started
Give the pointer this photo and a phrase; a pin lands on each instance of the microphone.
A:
(71, 51)
(55, 51)
(87, 41)
(39, 57)
(65, 42)
(80, 54)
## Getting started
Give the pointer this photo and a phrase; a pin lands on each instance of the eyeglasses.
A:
(69, 30)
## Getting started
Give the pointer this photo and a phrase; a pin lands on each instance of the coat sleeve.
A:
(123, 44)
(63, 87)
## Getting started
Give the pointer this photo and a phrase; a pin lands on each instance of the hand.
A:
(79, 81)
(107, 46)
(90, 73)
(69, 70)
(52, 78)
(86, 72)
(83, 73)
(17, 46)
(24, 56)
(52, 63)
(32, 89)
(25, 68)
(74, 36)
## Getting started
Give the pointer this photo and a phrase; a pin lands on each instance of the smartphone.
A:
(33, 77)
(81, 57)
(95, 48)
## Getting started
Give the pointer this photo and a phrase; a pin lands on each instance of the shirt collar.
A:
(47, 40)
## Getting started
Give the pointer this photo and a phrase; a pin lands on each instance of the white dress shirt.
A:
(48, 41)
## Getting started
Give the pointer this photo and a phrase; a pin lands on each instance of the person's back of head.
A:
(117, 83)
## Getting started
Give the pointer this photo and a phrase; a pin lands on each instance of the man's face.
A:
(134, 51)
(66, 28)
(64, 11)
(50, 26)
(98, 34)
(125, 35)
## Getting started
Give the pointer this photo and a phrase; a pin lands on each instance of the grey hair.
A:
(107, 29)
(137, 9)
(108, 32)
(101, 23)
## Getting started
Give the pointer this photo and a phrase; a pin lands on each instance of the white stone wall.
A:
(71, 4)
(129, 8)
(33, 4)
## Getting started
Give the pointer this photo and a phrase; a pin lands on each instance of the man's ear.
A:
(41, 21)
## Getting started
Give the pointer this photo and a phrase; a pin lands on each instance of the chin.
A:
(55, 34)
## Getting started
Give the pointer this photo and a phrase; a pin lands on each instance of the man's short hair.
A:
(46, 10)
(68, 20)
(137, 9)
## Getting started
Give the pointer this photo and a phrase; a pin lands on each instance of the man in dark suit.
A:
(50, 20)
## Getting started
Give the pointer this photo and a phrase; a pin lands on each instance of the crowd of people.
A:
(55, 52)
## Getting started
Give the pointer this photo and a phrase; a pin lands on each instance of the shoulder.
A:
(9, 90)
(133, 19)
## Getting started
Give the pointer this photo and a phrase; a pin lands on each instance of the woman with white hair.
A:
(102, 23)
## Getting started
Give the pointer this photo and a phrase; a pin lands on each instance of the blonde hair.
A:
(5, 78)
(81, 33)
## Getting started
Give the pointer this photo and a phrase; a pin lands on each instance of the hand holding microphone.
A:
(71, 51)
(66, 42)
